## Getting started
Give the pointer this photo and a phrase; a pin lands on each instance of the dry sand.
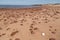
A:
(40, 23)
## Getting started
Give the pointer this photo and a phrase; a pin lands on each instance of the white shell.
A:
(43, 34)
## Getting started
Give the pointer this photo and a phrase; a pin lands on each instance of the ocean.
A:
(16, 6)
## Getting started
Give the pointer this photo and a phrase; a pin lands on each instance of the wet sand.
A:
(37, 23)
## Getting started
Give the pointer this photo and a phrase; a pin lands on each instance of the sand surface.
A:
(40, 23)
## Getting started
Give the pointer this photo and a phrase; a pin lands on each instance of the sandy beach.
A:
(36, 23)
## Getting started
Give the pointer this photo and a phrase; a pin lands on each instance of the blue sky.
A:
(27, 2)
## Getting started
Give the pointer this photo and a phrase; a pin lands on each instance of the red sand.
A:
(30, 23)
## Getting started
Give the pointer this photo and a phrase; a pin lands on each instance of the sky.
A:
(27, 2)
